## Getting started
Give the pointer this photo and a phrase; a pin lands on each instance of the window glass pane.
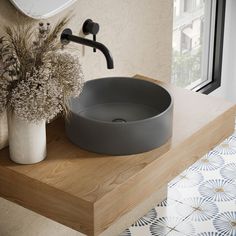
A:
(193, 33)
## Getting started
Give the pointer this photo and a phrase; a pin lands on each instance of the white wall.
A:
(228, 87)
(138, 34)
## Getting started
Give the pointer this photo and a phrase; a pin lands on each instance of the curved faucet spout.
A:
(67, 37)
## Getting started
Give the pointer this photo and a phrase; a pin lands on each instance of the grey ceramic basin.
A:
(120, 116)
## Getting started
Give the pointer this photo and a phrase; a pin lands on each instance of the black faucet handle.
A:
(90, 27)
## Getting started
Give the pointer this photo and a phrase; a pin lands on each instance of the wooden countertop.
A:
(91, 192)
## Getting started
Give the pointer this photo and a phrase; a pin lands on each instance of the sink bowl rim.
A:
(128, 122)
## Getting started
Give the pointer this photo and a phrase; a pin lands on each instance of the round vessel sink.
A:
(120, 116)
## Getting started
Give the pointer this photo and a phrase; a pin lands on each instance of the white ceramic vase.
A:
(27, 141)
(3, 130)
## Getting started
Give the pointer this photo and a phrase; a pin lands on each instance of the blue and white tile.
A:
(173, 210)
(146, 219)
(163, 225)
(160, 220)
(208, 233)
(227, 147)
(166, 203)
(201, 209)
(171, 226)
(188, 179)
(225, 223)
(126, 233)
(219, 190)
(186, 185)
(202, 217)
(201, 201)
(201, 227)
(209, 165)
(226, 206)
(184, 228)
(209, 162)
(229, 171)
(142, 225)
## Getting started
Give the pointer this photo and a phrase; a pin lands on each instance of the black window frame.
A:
(218, 49)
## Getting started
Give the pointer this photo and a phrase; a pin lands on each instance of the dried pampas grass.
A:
(37, 77)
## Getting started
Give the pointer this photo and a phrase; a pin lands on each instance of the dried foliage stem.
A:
(36, 76)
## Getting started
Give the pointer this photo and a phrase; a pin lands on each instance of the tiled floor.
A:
(201, 201)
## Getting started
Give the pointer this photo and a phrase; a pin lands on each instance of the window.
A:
(198, 29)
(189, 5)
(186, 39)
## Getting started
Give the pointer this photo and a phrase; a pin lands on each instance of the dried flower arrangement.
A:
(37, 77)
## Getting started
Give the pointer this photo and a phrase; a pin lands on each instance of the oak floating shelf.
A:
(96, 194)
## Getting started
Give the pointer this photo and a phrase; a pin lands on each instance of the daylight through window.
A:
(193, 42)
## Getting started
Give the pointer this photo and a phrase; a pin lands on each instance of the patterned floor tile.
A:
(200, 209)
(167, 202)
(160, 220)
(164, 225)
(227, 206)
(203, 215)
(186, 186)
(146, 219)
(203, 228)
(185, 227)
(229, 171)
(126, 233)
(201, 201)
(211, 161)
(172, 210)
(218, 190)
(173, 226)
(208, 233)
(189, 178)
(227, 147)
(225, 223)
(174, 233)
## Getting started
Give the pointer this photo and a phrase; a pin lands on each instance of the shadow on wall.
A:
(8, 13)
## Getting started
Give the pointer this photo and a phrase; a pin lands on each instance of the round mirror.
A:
(41, 9)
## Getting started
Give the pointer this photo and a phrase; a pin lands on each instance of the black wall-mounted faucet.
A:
(93, 28)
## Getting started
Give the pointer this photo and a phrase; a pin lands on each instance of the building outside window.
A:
(194, 42)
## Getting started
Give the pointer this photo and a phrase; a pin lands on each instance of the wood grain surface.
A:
(94, 193)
